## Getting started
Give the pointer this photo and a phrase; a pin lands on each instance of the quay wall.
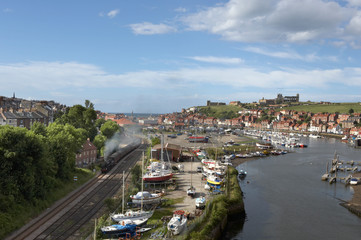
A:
(355, 209)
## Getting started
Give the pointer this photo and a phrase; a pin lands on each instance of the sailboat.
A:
(125, 226)
(191, 191)
(144, 196)
(130, 214)
(159, 172)
(326, 175)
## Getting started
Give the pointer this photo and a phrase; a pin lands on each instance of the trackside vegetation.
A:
(38, 165)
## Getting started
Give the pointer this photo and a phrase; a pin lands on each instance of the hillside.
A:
(330, 108)
(220, 112)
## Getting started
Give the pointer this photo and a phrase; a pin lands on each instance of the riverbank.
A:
(354, 205)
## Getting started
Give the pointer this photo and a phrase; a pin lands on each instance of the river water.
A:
(285, 198)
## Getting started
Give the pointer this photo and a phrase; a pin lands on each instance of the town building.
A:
(86, 155)
(209, 103)
(235, 103)
(280, 99)
(171, 152)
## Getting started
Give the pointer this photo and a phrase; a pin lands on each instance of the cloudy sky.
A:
(161, 56)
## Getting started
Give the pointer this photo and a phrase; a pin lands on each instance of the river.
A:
(285, 198)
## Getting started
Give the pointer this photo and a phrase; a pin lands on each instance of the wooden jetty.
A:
(326, 175)
(336, 165)
(333, 179)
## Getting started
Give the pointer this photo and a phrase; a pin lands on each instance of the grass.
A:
(217, 212)
(332, 108)
(166, 209)
(234, 191)
(22, 212)
(222, 108)
(307, 107)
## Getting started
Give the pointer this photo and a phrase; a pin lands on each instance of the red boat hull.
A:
(158, 178)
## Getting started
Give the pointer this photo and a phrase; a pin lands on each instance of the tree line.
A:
(34, 162)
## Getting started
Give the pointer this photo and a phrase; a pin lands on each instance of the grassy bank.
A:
(18, 214)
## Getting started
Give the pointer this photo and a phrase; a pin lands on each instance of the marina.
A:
(291, 198)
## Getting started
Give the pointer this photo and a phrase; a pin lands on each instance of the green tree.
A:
(351, 111)
(81, 117)
(109, 128)
(24, 164)
(99, 122)
(64, 142)
(99, 142)
(89, 105)
(155, 141)
(39, 129)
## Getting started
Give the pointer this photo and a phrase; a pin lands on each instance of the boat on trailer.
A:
(178, 222)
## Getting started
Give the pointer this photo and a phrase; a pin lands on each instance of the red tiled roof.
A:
(123, 121)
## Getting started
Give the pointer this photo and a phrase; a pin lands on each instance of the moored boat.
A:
(191, 191)
(242, 174)
(146, 197)
(158, 171)
(354, 181)
(131, 215)
(200, 202)
(158, 176)
(325, 177)
(214, 180)
(123, 227)
(263, 146)
(178, 222)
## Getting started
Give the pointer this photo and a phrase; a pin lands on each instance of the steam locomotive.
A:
(115, 157)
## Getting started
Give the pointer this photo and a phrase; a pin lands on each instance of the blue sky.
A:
(161, 56)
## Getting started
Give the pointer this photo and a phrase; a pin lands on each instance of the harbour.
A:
(285, 198)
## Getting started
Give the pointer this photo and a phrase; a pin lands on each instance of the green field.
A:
(332, 108)
(221, 112)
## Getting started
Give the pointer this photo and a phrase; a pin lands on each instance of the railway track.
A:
(64, 220)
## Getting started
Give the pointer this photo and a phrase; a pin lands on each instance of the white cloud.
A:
(289, 55)
(147, 28)
(354, 2)
(354, 26)
(180, 9)
(275, 20)
(113, 13)
(58, 77)
(221, 60)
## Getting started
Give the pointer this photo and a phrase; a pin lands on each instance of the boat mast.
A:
(161, 153)
(191, 171)
(123, 195)
(327, 167)
(141, 202)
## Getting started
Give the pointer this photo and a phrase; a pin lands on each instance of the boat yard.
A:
(186, 174)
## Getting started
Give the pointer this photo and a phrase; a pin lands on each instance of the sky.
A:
(161, 56)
